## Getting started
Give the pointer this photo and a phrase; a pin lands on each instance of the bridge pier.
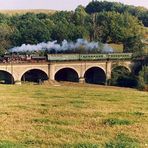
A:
(108, 72)
(18, 82)
(82, 80)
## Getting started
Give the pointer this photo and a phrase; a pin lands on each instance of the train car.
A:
(93, 57)
(87, 57)
(62, 57)
(119, 56)
(38, 58)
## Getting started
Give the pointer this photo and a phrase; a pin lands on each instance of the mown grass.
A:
(79, 116)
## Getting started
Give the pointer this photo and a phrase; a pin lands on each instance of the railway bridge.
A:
(97, 72)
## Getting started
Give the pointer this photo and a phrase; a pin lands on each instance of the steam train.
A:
(20, 58)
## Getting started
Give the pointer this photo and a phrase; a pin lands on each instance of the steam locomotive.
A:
(33, 58)
(22, 58)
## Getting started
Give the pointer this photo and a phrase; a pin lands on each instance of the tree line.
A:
(140, 12)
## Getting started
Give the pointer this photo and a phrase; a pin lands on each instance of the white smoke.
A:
(107, 49)
(65, 45)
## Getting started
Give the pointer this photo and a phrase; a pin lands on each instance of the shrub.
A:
(114, 121)
(122, 77)
(122, 141)
(143, 78)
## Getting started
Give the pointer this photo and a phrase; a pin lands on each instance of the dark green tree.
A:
(143, 78)
(103, 6)
(5, 37)
(30, 29)
(80, 16)
(135, 45)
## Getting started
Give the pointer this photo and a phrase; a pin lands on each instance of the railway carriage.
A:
(62, 57)
(119, 56)
(93, 57)
(89, 57)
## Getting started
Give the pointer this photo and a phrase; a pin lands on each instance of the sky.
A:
(58, 4)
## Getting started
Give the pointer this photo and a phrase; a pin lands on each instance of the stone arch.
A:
(94, 65)
(67, 74)
(122, 65)
(95, 75)
(6, 77)
(34, 75)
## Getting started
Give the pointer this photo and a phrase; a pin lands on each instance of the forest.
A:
(104, 22)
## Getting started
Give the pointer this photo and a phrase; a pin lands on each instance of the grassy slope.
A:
(72, 116)
(13, 12)
(117, 47)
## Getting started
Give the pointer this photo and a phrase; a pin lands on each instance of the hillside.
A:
(108, 26)
(105, 6)
(72, 116)
(13, 12)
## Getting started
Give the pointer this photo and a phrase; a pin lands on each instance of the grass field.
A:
(79, 116)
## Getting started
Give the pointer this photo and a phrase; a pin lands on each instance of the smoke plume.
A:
(65, 45)
(106, 49)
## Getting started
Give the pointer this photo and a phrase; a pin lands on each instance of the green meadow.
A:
(77, 116)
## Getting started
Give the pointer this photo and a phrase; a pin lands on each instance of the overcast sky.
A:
(57, 4)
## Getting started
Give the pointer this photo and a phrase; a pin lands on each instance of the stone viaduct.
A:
(76, 71)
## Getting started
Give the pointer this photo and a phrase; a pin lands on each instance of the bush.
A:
(122, 77)
(143, 78)
(122, 141)
(114, 121)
